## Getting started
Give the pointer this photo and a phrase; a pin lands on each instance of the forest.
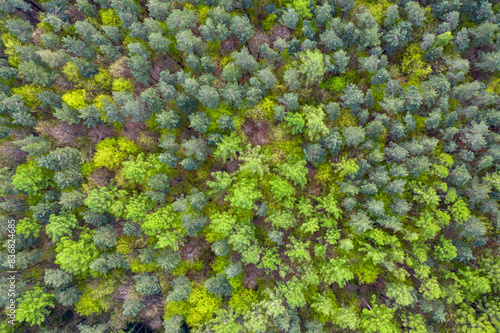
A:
(249, 166)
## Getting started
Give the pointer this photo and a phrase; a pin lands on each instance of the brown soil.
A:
(256, 132)
(102, 176)
(252, 274)
(232, 165)
(101, 132)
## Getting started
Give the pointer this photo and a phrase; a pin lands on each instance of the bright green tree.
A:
(34, 305)
(75, 257)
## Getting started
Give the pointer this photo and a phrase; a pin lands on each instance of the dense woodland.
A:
(236, 166)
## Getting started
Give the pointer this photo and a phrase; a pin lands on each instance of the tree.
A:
(244, 60)
(228, 147)
(165, 226)
(168, 119)
(91, 329)
(314, 153)
(197, 148)
(293, 291)
(336, 271)
(159, 186)
(132, 307)
(199, 121)
(78, 47)
(489, 62)
(242, 28)
(167, 260)
(345, 5)
(291, 78)
(197, 200)
(330, 40)
(231, 72)
(295, 121)
(341, 60)
(60, 159)
(219, 285)
(140, 67)
(445, 251)
(54, 59)
(312, 66)
(32, 308)
(483, 34)
(68, 296)
(460, 175)
(146, 284)
(189, 164)
(61, 225)
(290, 18)
(30, 179)
(181, 20)
(267, 78)
(281, 188)
(461, 40)
(397, 36)
(21, 29)
(401, 293)
(86, 8)
(140, 168)
(294, 170)
(226, 123)
(220, 248)
(173, 324)
(153, 100)
(352, 97)
(392, 14)
(43, 210)
(291, 101)
(282, 219)
(223, 223)
(34, 145)
(323, 14)
(243, 194)
(75, 257)
(416, 14)
(360, 222)
(378, 319)
(316, 127)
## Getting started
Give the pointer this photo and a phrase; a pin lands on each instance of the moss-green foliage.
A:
(109, 17)
(110, 153)
(413, 66)
(75, 256)
(75, 99)
(34, 306)
(103, 79)
(71, 71)
(30, 94)
(334, 84)
(122, 84)
(30, 179)
(270, 21)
